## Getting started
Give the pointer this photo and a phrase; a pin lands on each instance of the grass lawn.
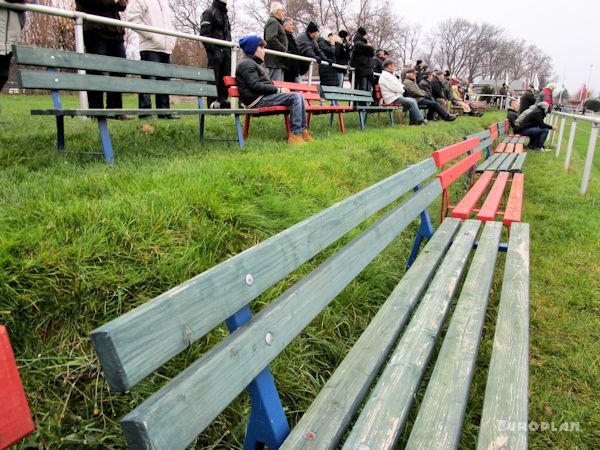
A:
(82, 242)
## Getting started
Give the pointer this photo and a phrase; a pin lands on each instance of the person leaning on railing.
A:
(343, 49)
(292, 73)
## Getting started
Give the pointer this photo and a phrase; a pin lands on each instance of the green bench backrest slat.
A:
(441, 413)
(345, 94)
(206, 387)
(348, 98)
(41, 79)
(137, 343)
(482, 135)
(506, 394)
(47, 57)
(383, 417)
(343, 394)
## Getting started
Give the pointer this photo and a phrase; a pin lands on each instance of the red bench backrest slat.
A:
(446, 154)
(494, 131)
(450, 175)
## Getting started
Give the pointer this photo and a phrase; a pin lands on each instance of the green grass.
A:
(82, 242)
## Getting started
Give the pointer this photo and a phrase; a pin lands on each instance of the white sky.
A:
(566, 30)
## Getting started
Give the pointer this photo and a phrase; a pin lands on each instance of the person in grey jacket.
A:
(307, 46)
(276, 38)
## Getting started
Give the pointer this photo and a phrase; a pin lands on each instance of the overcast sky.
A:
(566, 30)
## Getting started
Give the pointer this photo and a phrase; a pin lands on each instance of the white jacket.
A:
(391, 87)
(10, 30)
(153, 13)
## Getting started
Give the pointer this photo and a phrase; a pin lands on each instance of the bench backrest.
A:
(494, 131)
(470, 157)
(310, 92)
(142, 340)
(485, 140)
(339, 94)
(202, 80)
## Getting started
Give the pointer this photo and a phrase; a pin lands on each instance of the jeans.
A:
(293, 101)
(276, 74)
(162, 100)
(4, 68)
(109, 47)
(412, 106)
(219, 60)
(537, 136)
(432, 108)
(340, 76)
(363, 83)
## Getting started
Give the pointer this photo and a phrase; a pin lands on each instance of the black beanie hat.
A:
(343, 34)
(361, 31)
(312, 27)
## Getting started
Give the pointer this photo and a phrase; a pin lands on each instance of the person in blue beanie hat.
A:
(258, 91)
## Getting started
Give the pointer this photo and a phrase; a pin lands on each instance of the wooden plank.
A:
(140, 341)
(507, 163)
(297, 87)
(343, 394)
(498, 161)
(489, 209)
(176, 414)
(39, 79)
(373, 108)
(488, 162)
(138, 112)
(469, 201)
(510, 148)
(504, 421)
(450, 175)
(15, 417)
(349, 98)
(340, 90)
(383, 417)
(441, 414)
(519, 148)
(482, 135)
(447, 154)
(514, 205)
(500, 148)
(519, 163)
(48, 57)
(484, 144)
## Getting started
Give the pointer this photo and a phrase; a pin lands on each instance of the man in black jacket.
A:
(512, 114)
(307, 46)
(423, 99)
(257, 90)
(215, 24)
(362, 60)
(343, 49)
(527, 99)
(101, 39)
(292, 73)
(276, 38)
(531, 123)
(437, 89)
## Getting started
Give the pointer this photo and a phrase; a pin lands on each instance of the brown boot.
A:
(307, 137)
(295, 139)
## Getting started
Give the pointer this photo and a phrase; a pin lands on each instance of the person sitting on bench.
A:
(392, 92)
(258, 91)
(413, 90)
(531, 123)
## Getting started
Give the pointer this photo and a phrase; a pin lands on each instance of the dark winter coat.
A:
(253, 80)
(437, 90)
(327, 74)
(377, 67)
(292, 70)
(426, 86)
(411, 89)
(362, 57)
(276, 38)
(215, 24)
(512, 115)
(104, 8)
(342, 54)
(527, 99)
(531, 119)
(309, 48)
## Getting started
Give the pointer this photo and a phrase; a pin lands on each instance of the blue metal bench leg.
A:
(238, 127)
(425, 232)
(268, 424)
(201, 127)
(330, 120)
(105, 136)
(361, 121)
(60, 133)
(391, 113)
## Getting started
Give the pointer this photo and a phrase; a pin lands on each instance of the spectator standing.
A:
(257, 89)
(437, 89)
(343, 50)
(362, 60)
(327, 74)
(292, 73)
(392, 92)
(276, 38)
(545, 95)
(423, 100)
(101, 39)
(153, 47)
(215, 24)
(527, 99)
(531, 123)
(307, 46)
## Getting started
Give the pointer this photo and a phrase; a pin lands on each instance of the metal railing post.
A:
(310, 68)
(570, 146)
(553, 122)
(353, 79)
(80, 48)
(560, 135)
(589, 159)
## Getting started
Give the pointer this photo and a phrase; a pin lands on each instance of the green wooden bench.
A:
(362, 102)
(198, 83)
(375, 385)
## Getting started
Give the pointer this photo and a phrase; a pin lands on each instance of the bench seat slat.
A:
(316, 109)
(506, 391)
(469, 201)
(507, 163)
(178, 412)
(342, 395)
(383, 417)
(117, 112)
(497, 162)
(514, 205)
(519, 163)
(500, 148)
(488, 162)
(440, 419)
(140, 341)
(510, 148)
(489, 209)
(38, 79)
(47, 57)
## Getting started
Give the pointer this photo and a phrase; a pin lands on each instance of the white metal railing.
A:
(79, 17)
(553, 119)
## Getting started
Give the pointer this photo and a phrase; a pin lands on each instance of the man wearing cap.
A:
(527, 99)
(307, 46)
(276, 38)
(362, 60)
(257, 89)
(437, 89)
(531, 123)
(414, 91)
(343, 49)
(392, 91)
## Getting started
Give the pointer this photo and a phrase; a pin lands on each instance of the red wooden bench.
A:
(486, 196)
(15, 418)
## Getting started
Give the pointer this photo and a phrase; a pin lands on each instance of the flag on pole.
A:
(583, 93)
(536, 82)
